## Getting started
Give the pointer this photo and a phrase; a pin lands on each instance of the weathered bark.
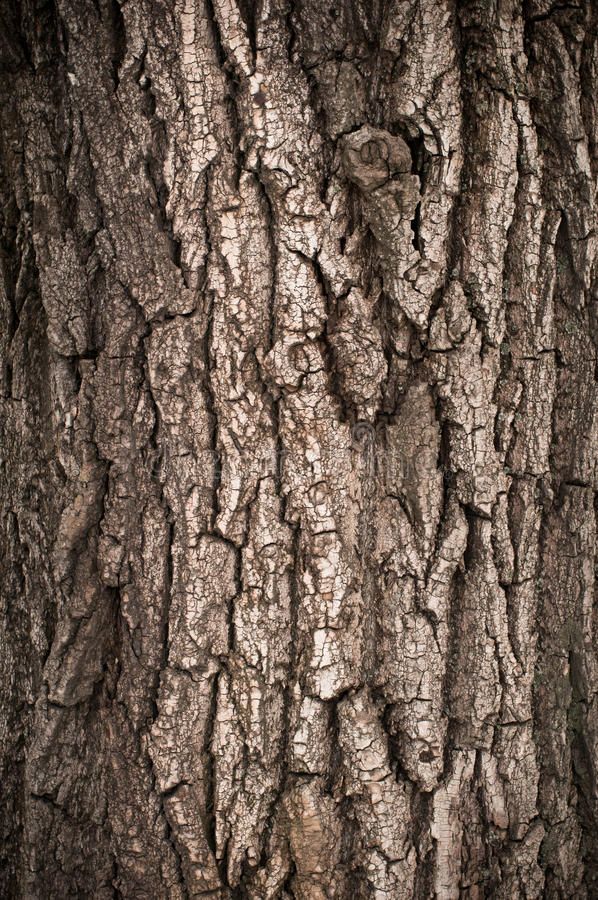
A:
(299, 449)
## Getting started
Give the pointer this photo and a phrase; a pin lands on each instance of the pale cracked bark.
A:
(299, 449)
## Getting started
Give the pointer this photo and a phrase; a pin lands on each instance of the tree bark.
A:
(299, 449)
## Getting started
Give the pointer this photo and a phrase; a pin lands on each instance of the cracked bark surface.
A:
(298, 479)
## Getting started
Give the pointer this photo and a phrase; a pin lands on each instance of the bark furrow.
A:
(298, 431)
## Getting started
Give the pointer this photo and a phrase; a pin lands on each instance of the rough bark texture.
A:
(299, 449)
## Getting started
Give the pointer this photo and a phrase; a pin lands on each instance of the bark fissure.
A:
(298, 427)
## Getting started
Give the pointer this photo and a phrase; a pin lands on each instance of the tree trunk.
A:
(299, 449)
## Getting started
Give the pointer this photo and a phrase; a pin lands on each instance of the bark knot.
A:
(372, 156)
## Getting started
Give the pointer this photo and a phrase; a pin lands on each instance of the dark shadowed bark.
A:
(298, 358)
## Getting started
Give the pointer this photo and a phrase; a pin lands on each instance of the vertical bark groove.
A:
(298, 430)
